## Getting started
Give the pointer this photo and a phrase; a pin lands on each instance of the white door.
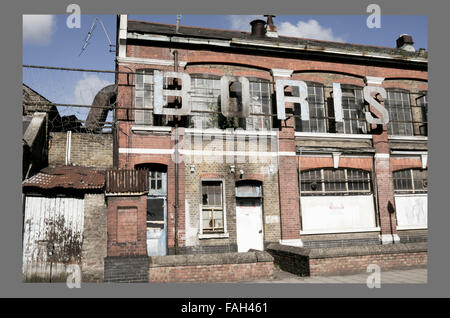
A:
(249, 225)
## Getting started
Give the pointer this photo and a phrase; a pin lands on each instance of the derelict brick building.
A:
(255, 138)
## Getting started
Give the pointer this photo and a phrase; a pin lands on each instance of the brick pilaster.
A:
(288, 176)
(383, 175)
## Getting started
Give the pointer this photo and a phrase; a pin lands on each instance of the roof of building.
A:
(198, 32)
(35, 102)
(68, 177)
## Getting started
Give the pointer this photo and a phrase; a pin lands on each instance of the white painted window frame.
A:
(225, 233)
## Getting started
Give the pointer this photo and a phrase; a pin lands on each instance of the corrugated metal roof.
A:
(68, 177)
(169, 29)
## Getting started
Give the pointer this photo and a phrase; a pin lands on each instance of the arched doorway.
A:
(156, 208)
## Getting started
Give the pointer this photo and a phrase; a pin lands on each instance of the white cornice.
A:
(140, 60)
(373, 80)
(278, 72)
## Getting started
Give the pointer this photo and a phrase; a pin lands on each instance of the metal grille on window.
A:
(400, 119)
(317, 121)
(212, 206)
(352, 108)
(335, 182)
(144, 96)
(204, 97)
(410, 181)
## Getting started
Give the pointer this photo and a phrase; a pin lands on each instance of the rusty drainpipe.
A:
(175, 68)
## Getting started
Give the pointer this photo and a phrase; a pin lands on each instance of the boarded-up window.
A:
(248, 189)
(126, 224)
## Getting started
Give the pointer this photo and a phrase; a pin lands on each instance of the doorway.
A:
(249, 216)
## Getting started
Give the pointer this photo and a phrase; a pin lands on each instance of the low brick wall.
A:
(224, 267)
(126, 269)
(347, 260)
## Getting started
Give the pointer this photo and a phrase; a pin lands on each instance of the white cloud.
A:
(38, 29)
(242, 22)
(87, 88)
(309, 30)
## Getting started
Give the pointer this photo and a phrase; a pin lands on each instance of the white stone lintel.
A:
(373, 80)
(389, 239)
(292, 242)
(278, 72)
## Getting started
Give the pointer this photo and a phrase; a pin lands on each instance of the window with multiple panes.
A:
(422, 102)
(316, 101)
(260, 104)
(157, 194)
(353, 110)
(400, 118)
(410, 181)
(212, 207)
(144, 98)
(205, 95)
(330, 181)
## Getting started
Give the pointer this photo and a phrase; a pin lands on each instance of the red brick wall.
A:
(128, 139)
(355, 264)
(307, 163)
(405, 163)
(211, 273)
(127, 233)
(288, 183)
(192, 56)
(204, 61)
(127, 218)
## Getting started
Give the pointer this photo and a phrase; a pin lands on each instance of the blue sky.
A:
(48, 41)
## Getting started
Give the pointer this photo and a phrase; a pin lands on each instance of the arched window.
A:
(410, 181)
(329, 181)
(399, 107)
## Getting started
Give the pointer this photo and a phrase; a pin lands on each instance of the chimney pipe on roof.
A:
(271, 29)
(405, 42)
(258, 29)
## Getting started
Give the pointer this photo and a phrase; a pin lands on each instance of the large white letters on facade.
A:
(159, 94)
(225, 96)
(301, 99)
(337, 101)
(244, 111)
(368, 97)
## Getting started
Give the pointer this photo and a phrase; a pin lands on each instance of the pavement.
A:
(406, 276)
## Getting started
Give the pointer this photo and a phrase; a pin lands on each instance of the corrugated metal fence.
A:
(53, 235)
